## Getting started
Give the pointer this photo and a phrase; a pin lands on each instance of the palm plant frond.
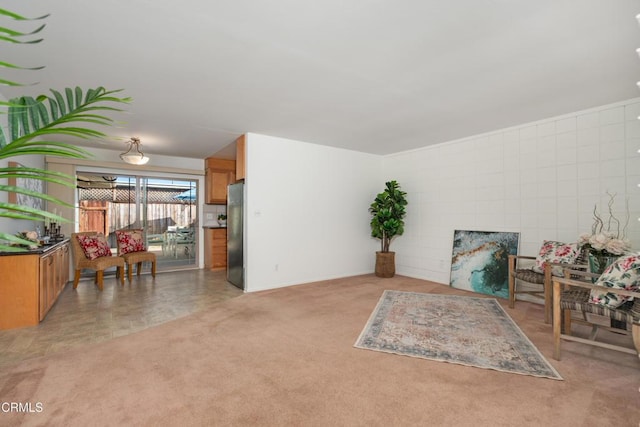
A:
(14, 40)
(15, 240)
(16, 37)
(29, 118)
(10, 210)
(33, 121)
(45, 148)
(4, 82)
(15, 16)
(13, 66)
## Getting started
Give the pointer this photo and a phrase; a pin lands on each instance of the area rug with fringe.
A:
(456, 329)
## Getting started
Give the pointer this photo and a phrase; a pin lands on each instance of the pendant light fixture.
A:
(134, 156)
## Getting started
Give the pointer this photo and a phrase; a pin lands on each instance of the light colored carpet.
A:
(449, 328)
(285, 357)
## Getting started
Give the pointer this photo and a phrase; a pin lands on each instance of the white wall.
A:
(540, 179)
(307, 217)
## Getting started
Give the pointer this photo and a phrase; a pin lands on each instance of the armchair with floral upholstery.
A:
(615, 295)
(537, 277)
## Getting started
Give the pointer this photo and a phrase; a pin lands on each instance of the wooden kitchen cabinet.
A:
(47, 283)
(219, 173)
(31, 284)
(54, 274)
(216, 192)
(215, 248)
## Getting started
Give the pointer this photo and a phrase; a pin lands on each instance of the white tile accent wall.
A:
(540, 179)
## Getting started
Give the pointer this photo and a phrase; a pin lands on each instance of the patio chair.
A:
(132, 249)
(169, 240)
(155, 239)
(99, 263)
(186, 238)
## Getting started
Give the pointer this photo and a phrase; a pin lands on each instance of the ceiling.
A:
(372, 76)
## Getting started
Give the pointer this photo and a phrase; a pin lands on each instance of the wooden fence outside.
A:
(106, 217)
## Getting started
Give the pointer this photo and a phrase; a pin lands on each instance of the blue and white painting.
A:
(479, 261)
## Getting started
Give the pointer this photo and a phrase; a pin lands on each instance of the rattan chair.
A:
(571, 295)
(99, 264)
(136, 258)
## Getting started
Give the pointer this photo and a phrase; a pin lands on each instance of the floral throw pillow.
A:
(94, 246)
(130, 241)
(557, 252)
(624, 273)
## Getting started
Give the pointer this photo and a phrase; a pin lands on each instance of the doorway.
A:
(165, 208)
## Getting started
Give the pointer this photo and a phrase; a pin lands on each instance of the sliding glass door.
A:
(166, 209)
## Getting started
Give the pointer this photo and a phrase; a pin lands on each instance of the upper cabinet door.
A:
(219, 174)
(216, 186)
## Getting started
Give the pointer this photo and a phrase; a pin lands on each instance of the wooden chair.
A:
(538, 285)
(571, 294)
(136, 258)
(99, 264)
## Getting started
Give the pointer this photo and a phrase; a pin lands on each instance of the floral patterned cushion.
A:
(94, 246)
(565, 253)
(624, 273)
(130, 241)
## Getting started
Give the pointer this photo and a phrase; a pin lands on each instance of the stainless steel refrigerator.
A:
(235, 255)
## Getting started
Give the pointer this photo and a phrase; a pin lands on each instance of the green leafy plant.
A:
(387, 213)
(222, 217)
(32, 121)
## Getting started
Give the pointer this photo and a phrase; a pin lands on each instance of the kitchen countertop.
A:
(214, 226)
(39, 250)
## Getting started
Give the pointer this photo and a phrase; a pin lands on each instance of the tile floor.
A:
(86, 315)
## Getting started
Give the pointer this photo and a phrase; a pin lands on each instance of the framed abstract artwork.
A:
(479, 261)
(31, 184)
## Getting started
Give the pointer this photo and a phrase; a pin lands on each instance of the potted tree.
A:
(387, 213)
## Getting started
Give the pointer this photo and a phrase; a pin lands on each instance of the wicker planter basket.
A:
(385, 264)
